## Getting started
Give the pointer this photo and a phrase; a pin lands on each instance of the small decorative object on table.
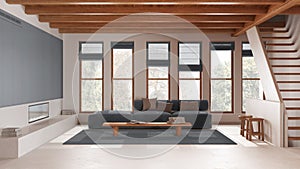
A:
(176, 120)
(11, 132)
(136, 122)
(67, 112)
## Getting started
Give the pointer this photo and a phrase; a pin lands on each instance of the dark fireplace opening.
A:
(38, 112)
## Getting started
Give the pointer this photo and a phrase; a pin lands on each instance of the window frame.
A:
(231, 79)
(81, 79)
(147, 66)
(191, 79)
(113, 44)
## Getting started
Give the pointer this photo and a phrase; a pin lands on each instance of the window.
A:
(91, 76)
(189, 67)
(221, 59)
(252, 88)
(122, 75)
(158, 61)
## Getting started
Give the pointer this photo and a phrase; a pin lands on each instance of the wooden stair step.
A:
(293, 118)
(274, 37)
(272, 25)
(272, 31)
(286, 66)
(287, 73)
(291, 99)
(294, 138)
(290, 90)
(280, 44)
(292, 108)
(285, 58)
(288, 81)
(282, 51)
(294, 128)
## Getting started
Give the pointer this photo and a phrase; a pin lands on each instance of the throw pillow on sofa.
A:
(189, 106)
(149, 104)
(163, 106)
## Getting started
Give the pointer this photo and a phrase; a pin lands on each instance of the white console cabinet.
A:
(35, 135)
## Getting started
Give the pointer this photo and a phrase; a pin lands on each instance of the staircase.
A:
(282, 47)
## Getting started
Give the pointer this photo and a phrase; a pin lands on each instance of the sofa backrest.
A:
(203, 104)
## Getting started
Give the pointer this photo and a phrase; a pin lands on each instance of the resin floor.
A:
(245, 155)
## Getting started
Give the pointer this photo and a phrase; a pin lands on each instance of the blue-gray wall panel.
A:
(30, 63)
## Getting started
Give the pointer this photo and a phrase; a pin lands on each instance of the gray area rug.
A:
(149, 136)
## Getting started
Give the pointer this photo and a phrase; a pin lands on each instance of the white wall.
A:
(18, 115)
(71, 66)
(272, 112)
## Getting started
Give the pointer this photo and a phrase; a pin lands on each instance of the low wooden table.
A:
(115, 126)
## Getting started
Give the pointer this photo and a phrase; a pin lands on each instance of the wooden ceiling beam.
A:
(134, 2)
(129, 9)
(146, 18)
(272, 11)
(149, 25)
(152, 30)
(292, 11)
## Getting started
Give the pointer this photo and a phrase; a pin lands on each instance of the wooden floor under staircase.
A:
(285, 61)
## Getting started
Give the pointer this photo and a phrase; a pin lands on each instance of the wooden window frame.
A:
(147, 67)
(231, 79)
(194, 79)
(113, 79)
(81, 79)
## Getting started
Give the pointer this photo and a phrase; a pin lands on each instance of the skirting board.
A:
(14, 147)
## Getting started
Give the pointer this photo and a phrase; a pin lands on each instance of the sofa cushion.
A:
(138, 105)
(203, 104)
(153, 104)
(165, 107)
(151, 116)
(146, 104)
(189, 106)
(117, 116)
(176, 105)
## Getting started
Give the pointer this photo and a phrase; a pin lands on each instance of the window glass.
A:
(122, 60)
(221, 95)
(122, 95)
(91, 68)
(91, 95)
(221, 63)
(252, 88)
(158, 89)
(189, 74)
(189, 89)
(158, 72)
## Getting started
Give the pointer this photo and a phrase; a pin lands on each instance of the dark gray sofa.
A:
(200, 119)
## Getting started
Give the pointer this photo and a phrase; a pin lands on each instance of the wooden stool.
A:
(250, 130)
(243, 122)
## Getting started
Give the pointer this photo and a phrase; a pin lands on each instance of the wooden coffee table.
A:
(115, 126)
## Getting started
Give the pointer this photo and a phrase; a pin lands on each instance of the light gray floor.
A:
(245, 155)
